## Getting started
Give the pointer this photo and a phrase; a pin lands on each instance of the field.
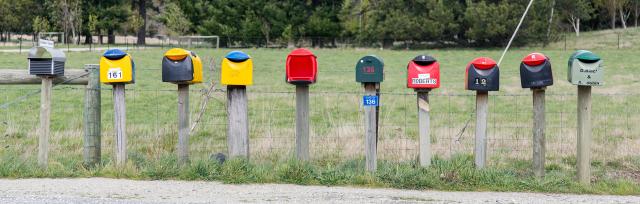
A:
(336, 120)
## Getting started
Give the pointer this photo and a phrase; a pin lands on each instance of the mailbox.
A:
(302, 67)
(482, 75)
(370, 69)
(46, 61)
(535, 71)
(585, 68)
(181, 66)
(116, 66)
(423, 72)
(237, 69)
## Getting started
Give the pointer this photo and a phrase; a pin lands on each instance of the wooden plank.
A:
(183, 123)
(91, 117)
(302, 122)
(22, 76)
(538, 131)
(238, 126)
(482, 110)
(584, 134)
(45, 121)
(120, 122)
(423, 126)
(371, 130)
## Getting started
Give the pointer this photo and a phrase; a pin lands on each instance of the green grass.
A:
(336, 125)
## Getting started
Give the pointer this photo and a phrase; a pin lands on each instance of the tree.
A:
(141, 21)
(175, 20)
(611, 7)
(575, 11)
(40, 24)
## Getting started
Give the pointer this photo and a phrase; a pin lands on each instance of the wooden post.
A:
(183, 123)
(584, 134)
(302, 122)
(91, 117)
(482, 109)
(45, 121)
(120, 119)
(238, 127)
(423, 125)
(538, 131)
(371, 130)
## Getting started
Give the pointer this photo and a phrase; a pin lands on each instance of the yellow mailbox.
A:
(116, 66)
(181, 66)
(237, 69)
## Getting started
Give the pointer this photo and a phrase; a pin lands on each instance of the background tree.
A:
(575, 11)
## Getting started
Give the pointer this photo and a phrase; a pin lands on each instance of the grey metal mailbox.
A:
(46, 61)
(585, 68)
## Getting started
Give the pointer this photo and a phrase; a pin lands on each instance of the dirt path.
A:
(103, 190)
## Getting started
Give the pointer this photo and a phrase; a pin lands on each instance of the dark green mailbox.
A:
(370, 69)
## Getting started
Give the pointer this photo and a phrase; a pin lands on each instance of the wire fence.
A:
(336, 119)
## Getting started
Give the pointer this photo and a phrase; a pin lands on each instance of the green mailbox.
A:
(370, 69)
(585, 68)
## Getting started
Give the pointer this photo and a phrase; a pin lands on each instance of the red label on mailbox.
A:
(302, 67)
(423, 74)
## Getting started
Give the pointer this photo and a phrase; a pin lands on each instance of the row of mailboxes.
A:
(423, 71)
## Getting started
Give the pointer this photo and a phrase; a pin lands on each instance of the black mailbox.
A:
(482, 75)
(535, 71)
(181, 66)
(46, 61)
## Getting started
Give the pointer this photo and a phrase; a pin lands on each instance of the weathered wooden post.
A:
(301, 70)
(47, 68)
(117, 68)
(91, 116)
(182, 67)
(482, 76)
(535, 74)
(237, 73)
(423, 75)
(370, 72)
(585, 70)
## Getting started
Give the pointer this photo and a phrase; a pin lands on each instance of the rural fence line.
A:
(336, 123)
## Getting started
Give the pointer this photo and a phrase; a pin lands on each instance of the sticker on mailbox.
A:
(114, 73)
(423, 79)
(370, 101)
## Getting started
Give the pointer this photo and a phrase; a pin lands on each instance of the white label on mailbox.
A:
(424, 76)
(424, 79)
(114, 73)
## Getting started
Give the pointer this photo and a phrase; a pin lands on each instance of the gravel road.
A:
(104, 190)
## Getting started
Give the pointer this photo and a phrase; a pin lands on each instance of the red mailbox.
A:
(423, 72)
(302, 67)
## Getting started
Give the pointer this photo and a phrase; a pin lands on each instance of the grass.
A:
(336, 125)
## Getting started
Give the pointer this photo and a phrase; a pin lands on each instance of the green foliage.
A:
(40, 24)
(175, 20)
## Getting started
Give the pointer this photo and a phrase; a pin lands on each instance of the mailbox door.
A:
(423, 77)
(370, 69)
(237, 73)
(197, 69)
(177, 71)
(117, 70)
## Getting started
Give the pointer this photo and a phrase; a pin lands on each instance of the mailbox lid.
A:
(237, 69)
(423, 72)
(301, 67)
(117, 66)
(370, 69)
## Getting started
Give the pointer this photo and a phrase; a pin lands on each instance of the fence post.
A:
(618, 40)
(120, 118)
(183, 123)
(238, 127)
(482, 109)
(45, 120)
(302, 122)
(92, 110)
(538, 131)
(584, 134)
(371, 128)
(424, 122)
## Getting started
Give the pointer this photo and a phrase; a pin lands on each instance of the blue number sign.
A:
(370, 101)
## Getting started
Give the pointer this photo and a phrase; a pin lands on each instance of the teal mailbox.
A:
(370, 69)
(585, 69)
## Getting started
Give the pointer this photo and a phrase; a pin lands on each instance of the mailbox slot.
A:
(482, 74)
(51, 65)
(423, 72)
(301, 67)
(370, 69)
